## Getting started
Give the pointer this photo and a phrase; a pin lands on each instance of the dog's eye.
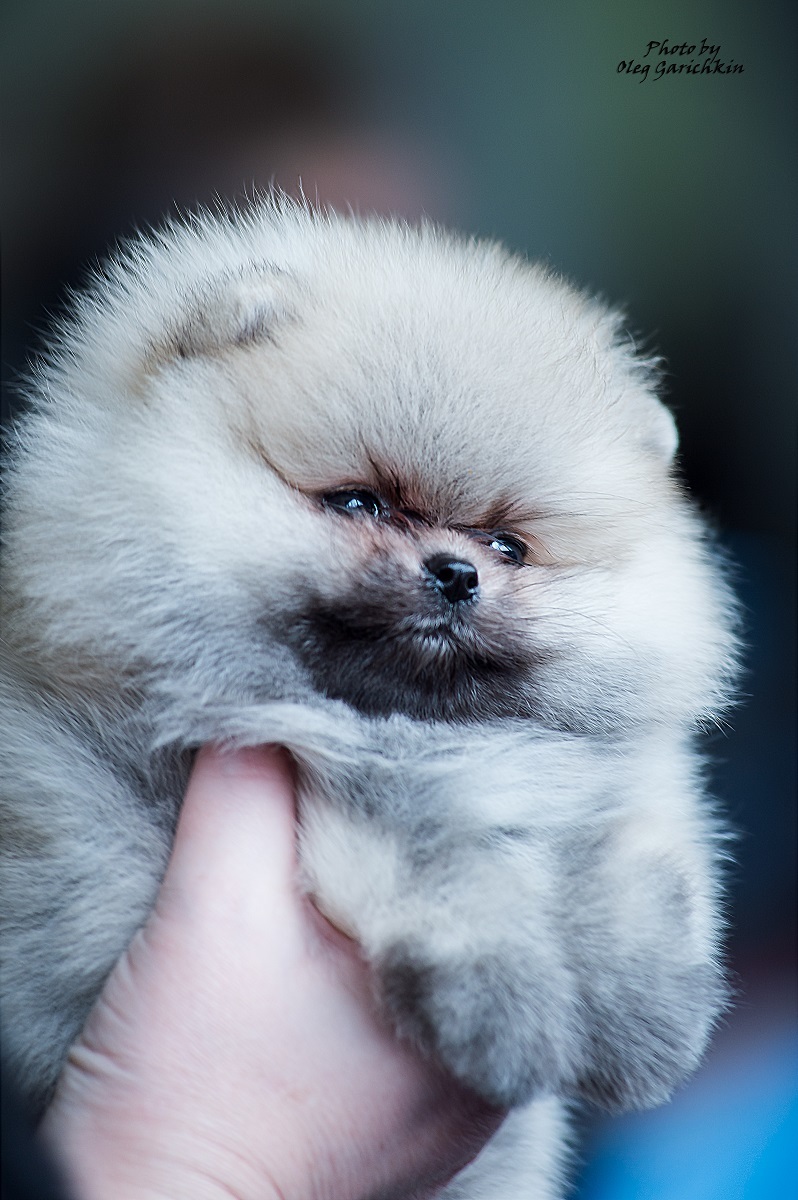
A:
(350, 500)
(508, 547)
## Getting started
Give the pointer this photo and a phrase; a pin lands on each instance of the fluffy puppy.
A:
(404, 504)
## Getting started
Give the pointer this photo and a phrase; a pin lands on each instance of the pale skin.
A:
(236, 1050)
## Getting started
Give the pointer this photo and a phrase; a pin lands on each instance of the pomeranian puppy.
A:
(404, 504)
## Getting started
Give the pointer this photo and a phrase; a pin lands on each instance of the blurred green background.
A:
(674, 196)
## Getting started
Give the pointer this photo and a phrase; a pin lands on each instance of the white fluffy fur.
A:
(529, 863)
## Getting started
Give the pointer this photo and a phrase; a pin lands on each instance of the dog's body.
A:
(403, 504)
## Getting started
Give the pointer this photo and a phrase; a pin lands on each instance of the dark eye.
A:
(356, 502)
(508, 547)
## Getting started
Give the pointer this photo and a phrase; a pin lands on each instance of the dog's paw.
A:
(652, 1036)
(492, 1026)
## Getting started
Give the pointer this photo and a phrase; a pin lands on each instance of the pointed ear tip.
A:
(662, 436)
(215, 314)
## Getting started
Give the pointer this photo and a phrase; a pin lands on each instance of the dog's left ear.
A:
(661, 435)
(639, 378)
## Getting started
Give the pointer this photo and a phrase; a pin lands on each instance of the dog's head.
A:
(434, 478)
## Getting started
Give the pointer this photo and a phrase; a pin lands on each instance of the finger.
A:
(235, 841)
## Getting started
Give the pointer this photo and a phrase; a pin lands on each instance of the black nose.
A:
(458, 580)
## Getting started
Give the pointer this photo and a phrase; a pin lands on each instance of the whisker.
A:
(551, 617)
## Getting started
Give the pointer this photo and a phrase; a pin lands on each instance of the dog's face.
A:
(426, 474)
(427, 620)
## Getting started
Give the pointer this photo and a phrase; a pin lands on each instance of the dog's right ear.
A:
(234, 309)
(159, 305)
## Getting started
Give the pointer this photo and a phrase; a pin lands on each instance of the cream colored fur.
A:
(500, 798)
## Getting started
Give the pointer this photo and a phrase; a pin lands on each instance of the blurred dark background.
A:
(673, 196)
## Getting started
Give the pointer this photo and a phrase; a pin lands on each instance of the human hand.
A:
(236, 1049)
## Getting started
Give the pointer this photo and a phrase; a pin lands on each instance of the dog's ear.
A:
(640, 379)
(235, 309)
(661, 435)
(158, 304)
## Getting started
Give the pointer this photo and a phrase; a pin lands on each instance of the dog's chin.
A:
(426, 667)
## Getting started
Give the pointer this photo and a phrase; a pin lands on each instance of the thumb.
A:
(235, 846)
